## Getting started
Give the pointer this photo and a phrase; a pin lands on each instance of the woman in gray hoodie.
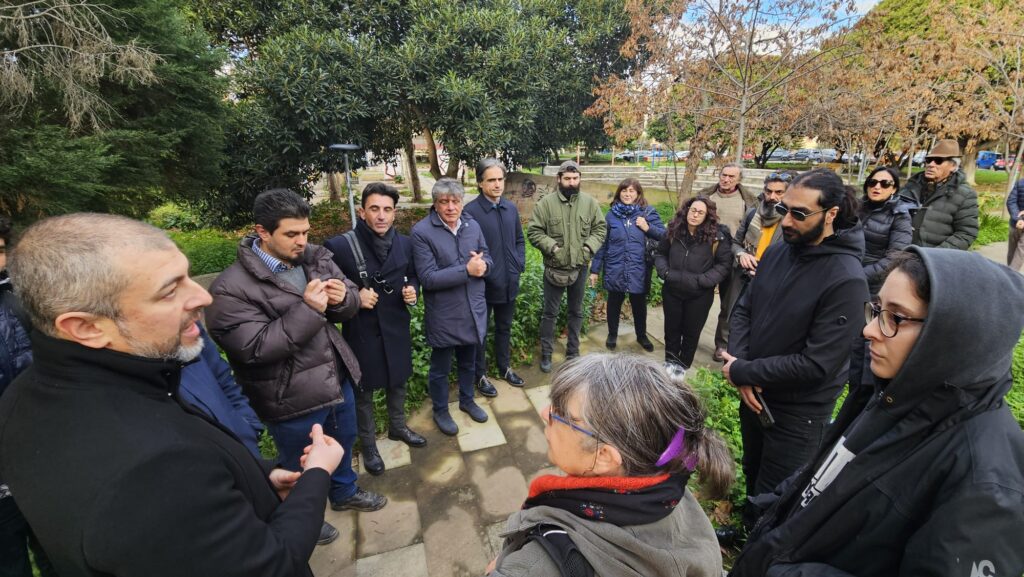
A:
(623, 505)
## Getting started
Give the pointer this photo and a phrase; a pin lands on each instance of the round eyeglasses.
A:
(888, 321)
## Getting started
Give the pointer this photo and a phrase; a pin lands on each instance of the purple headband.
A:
(675, 447)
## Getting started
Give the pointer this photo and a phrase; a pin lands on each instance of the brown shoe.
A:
(719, 355)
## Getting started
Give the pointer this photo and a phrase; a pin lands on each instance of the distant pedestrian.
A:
(694, 256)
(1015, 206)
(950, 205)
(632, 226)
(759, 230)
(568, 228)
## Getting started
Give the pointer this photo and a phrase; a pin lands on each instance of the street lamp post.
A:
(345, 149)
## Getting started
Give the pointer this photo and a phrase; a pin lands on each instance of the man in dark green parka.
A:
(950, 205)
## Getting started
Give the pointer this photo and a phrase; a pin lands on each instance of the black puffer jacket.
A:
(689, 268)
(791, 330)
(935, 485)
(952, 217)
(886, 228)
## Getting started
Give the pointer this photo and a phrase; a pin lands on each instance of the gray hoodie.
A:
(681, 544)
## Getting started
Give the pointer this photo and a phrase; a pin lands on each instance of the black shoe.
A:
(545, 363)
(446, 424)
(513, 379)
(728, 536)
(407, 436)
(364, 501)
(645, 343)
(327, 534)
(372, 461)
(571, 356)
(486, 388)
(609, 343)
(474, 411)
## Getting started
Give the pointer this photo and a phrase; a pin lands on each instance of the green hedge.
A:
(991, 229)
(208, 250)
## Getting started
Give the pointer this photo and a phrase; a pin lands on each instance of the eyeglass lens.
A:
(885, 184)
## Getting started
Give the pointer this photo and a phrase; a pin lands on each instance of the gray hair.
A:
(633, 404)
(447, 186)
(735, 165)
(73, 263)
(484, 164)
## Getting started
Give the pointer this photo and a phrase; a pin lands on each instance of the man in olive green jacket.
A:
(950, 205)
(567, 228)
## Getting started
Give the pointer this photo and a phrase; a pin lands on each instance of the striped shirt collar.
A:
(275, 264)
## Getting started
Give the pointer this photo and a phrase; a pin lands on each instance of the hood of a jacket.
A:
(974, 320)
(848, 241)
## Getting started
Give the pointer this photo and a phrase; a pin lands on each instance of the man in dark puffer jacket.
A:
(951, 205)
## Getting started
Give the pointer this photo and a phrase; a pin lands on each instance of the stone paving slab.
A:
(540, 397)
(474, 436)
(337, 559)
(395, 526)
(500, 484)
(395, 454)
(409, 561)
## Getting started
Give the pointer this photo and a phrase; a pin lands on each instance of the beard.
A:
(568, 191)
(169, 350)
(795, 237)
(766, 210)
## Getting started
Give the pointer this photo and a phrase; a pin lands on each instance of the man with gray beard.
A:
(135, 482)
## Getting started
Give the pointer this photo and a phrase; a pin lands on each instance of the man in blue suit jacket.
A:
(1015, 206)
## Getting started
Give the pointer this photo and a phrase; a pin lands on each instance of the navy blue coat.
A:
(623, 254)
(379, 336)
(208, 385)
(1015, 202)
(456, 308)
(15, 347)
(504, 235)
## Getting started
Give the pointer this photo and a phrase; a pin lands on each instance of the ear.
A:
(608, 462)
(831, 214)
(360, 212)
(86, 329)
(264, 233)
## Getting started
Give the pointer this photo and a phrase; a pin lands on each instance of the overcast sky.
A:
(864, 5)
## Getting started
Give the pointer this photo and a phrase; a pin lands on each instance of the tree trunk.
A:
(414, 175)
(969, 160)
(742, 132)
(453, 167)
(435, 168)
(913, 145)
(335, 181)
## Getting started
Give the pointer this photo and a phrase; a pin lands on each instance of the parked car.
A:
(632, 155)
(987, 159)
(780, 155)
(1003, 164)
(829, 155)
(807, 155)
(918, 159)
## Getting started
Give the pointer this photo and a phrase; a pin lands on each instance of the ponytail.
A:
(716, 469)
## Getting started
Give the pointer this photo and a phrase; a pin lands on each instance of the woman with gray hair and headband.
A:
(628, 436)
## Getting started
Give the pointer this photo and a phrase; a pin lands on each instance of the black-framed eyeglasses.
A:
(800, 215)
(935, 160)
(780, 176)
(884, 184)
(553, 415)
(383, 283)
(888, 321)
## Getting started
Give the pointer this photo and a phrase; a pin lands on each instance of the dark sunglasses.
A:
(885, 184)
(780, 176)
(800, 215)
(935, 160)
(384, 284)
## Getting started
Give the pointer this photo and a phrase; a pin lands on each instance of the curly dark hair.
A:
(706, 232)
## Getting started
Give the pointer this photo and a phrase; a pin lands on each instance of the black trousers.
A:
(16, 538)
(725, 300)
(503, 314)
(364, 413)
(771, 455)
(684, 319)
(637, 301)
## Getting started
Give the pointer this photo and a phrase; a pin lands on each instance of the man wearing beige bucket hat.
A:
(948, 213)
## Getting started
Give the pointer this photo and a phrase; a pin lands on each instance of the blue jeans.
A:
(441, 365)
(338, 421)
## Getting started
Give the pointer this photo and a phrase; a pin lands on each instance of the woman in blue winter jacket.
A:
(624, 258)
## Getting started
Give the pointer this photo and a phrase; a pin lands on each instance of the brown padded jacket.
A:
(282, 350)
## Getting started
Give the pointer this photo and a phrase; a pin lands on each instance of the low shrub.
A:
(170, 216)
(208, 250)
(1015, 398)
(991, 229)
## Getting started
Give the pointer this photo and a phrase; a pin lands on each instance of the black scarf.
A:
(381, 244)
(620, 501)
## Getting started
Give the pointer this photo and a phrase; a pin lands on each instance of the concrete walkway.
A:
(449, 500)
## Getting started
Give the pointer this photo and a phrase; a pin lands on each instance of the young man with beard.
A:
(793, 327)
(379, 334)
(567, 228)
(499, 220)
(732, 202)
(274, 312)
(135, 482)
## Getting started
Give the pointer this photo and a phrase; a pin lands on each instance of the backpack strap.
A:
(357, 254)
(559, 546)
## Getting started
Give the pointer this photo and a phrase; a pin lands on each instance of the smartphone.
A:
(765, 416)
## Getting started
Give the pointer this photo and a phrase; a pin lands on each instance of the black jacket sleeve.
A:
(183, 513)
(900, 235)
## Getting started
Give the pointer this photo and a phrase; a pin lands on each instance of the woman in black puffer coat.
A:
(886, 220)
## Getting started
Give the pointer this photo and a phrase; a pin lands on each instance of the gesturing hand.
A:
(316, 295)
(283, 481)
(336, 291)
(641, 223)
(324, 452)
(476, 266)
(748, 261)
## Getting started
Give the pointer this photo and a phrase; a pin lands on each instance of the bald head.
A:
(75, 263)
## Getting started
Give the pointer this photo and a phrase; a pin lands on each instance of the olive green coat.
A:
(575, 226)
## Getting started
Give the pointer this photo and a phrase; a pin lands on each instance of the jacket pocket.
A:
(585, 226)
(556, 228)
(284, 378)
